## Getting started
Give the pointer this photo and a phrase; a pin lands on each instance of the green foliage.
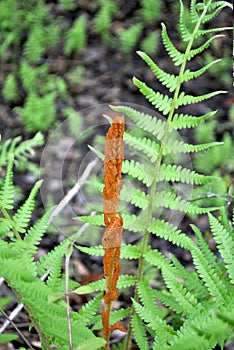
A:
(68, 4)
(197, 311)
(38, 112)
(150, 10)
(199, 297)
(129, 37)
(22, 150)
(103, 19)
(150, 43)
(10, 92)
(21, 271)
(76, 36)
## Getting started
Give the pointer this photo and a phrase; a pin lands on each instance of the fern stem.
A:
(157, 168)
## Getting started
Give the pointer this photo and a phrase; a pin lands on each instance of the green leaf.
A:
(6, 338)
(91, 344)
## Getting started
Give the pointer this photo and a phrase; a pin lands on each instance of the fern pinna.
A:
(201, 298)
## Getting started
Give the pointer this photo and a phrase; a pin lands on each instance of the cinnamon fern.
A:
(189, 309)
(199, 299)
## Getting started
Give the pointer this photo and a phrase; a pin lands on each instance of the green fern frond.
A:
(89, 309)
(21, 150)
(137, 171)
(185, 34)
(145, 121)
(210, 16)
(149, 147)
(169, 232)
(33, 236)
(225, 242)
(188, 74)
(165, 297)
(202, 47)
(129, 37)
(164, 332)
(213, 30)
(182, 147)
(193, 12)
(185, 299)
(22, 216)
(181, 121)
(46, 262)
(102, 20)
(7, 188)
(168, 80)
(183, 99)
(178, 173)
(76, 36)
(212, 281)
(147, 298)
(160, 101)
(176, 56)
(139, 332)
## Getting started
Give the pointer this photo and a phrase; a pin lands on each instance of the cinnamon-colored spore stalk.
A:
(111, 240)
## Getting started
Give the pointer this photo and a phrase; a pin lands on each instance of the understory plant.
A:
(190, 309)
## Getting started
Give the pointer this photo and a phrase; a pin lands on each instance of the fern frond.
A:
(185, 299)
(168, 80)
(21, 151)
(169, 232)
(185, 34)
(193, 12)
(33, 236)
(182, 147)
(225, 243)
(210, 16)
(181, 121)
(202, 48)
(209, 255)
(145, 121)
(147, 298)
(7, 188)
(165, 297)
(137, 171)
(139, 332)
(46, 262)
(178, 173)
(163, 331)
(89, 309)
(183, 99)
(160, 101)
(213, 30)
(212, 281)
(176, 56)
(23, 214)
(188, 74)
(147, 146)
